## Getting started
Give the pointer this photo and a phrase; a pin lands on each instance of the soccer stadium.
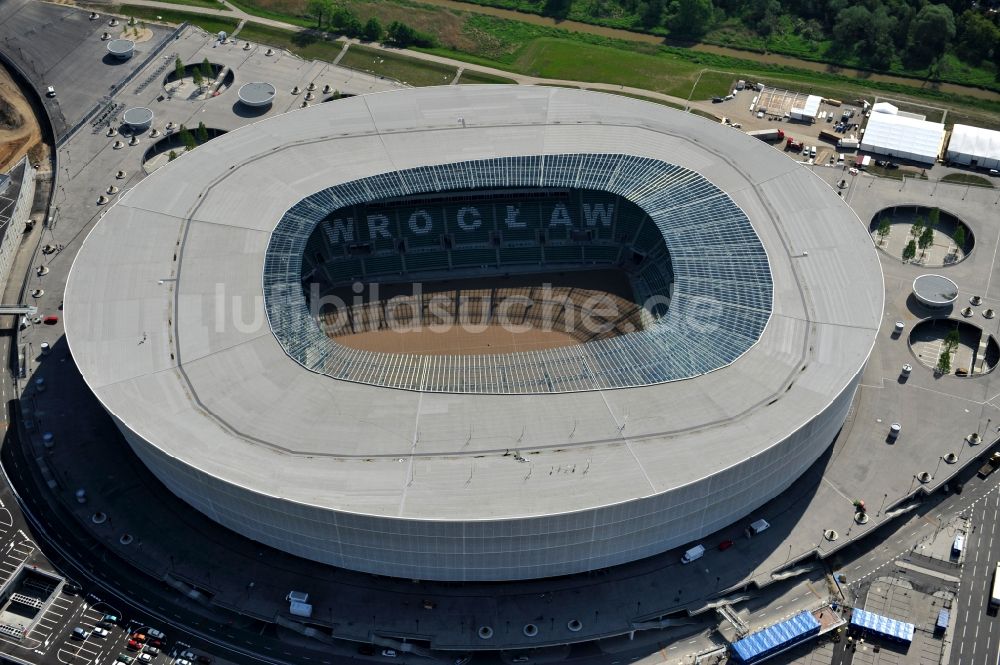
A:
(477, 332)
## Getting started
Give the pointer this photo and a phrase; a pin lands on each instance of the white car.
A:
(389, 653)
(156, 634)
(99, 632)
(852, 171)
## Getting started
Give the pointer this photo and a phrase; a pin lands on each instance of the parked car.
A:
(100, 632)
(110, 618)
(80, 634)
(145, 658)
(124, 658)
(133, 645)
(182, 661)
(389, 653)
(725, 545)
(152, 632)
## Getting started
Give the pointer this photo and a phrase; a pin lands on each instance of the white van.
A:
(50, 91)
(693, 554)
(759, 527)
(958, 545)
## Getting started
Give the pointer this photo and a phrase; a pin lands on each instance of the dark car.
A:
(716, 100)
(725, 545)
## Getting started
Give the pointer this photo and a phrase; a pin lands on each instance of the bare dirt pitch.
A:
(486, 315)
(457, 340)
(20, 133)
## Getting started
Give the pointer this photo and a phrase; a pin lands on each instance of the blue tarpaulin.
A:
(774, 639)
(942, 621)
(884, 626)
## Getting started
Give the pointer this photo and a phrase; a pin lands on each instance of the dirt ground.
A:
(19, 129)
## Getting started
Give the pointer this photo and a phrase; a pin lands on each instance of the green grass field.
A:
(482, 77)
(305, 45)
(400, 67)
(206, 22)
(209, 4)
(968, 179)
(559, 54)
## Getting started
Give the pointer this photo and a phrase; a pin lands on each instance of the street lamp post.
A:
(884, 497)
(940, 458)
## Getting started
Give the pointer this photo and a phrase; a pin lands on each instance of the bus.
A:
(995, 593)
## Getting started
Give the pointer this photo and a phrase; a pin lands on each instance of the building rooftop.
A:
(907, 137)
(157, 317)
(980, 143)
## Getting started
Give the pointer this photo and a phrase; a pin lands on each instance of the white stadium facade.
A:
(188, 314)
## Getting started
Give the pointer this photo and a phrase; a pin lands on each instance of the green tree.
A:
(187, 139)
(951, 340)
(851, 24)
(910, 250)
(691, 17)
(879, 46)
(934, 218)
(345, 21)
(178, 69)
(978, 38)
(944, 362)
(373, 30)
(925, 240)
(319, 9)
(652, 14)
(202, 133)
(196, 75)
(400, 34)
(883, 230)
(171, 156)
(769, 17)
(959, 237)
(931, 32)
(206, 70)
(917, 228)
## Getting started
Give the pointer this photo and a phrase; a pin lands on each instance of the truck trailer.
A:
(991, 465)
(769, 135)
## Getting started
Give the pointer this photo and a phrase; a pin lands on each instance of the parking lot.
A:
(770, 108)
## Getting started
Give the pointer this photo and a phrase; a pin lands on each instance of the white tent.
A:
(974, 144)
(808, 110)
(885, 107)
(906, 138)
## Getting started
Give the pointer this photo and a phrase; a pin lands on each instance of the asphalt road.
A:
(977, 635)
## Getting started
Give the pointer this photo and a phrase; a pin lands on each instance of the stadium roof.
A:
(903, 137)
(978, 143)
(716, 258)
(156, 318)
